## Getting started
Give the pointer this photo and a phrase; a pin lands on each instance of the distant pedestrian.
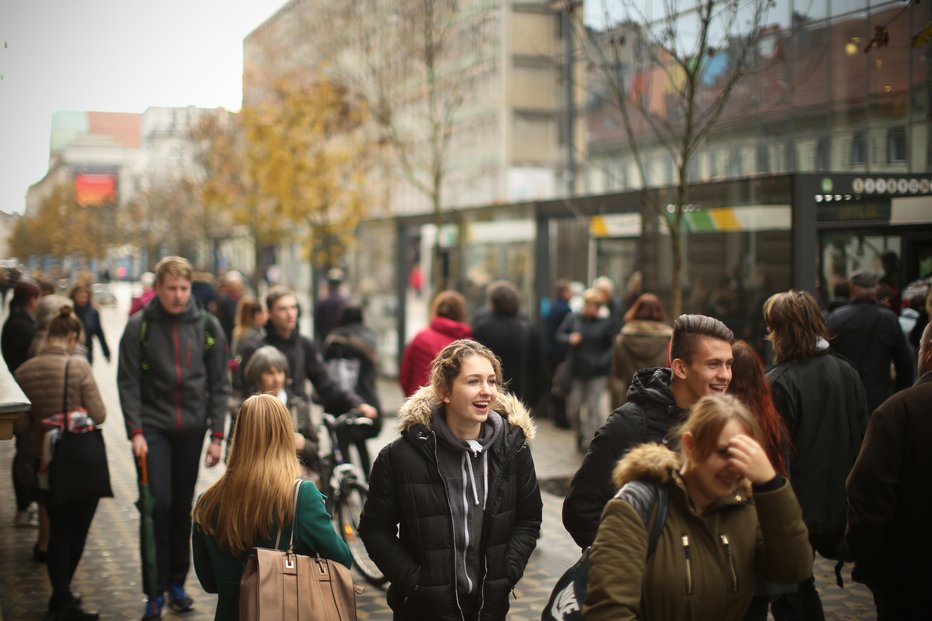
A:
(20, 326)
(89, 315)
(518, 344)
(351, 351)
(889, 500)
(447, 324)
(556, 352)
(260, 480)
(232, 289)
(267, 371)
(173, 383)
(589, 340)
(820, 397)
(870, 338)
(454, 510)
(643, 342)
(327, 312)
(730, 519)
(43, 380)
(147, 282)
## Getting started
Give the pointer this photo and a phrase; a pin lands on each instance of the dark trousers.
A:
(68, 526)
(174, 461)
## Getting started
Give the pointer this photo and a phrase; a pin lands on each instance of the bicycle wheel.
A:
(349, 508)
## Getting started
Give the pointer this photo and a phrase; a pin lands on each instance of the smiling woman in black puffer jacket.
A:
(454, 509)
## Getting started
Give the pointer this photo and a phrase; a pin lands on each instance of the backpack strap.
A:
(644, 496)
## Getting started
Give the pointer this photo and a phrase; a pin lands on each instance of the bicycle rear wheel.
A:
(349, 508)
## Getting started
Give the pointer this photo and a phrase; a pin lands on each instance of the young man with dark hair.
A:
(305, 362)
(889, 499)
(173, 386)
(658, 399)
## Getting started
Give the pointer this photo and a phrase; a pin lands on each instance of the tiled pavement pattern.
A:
(108, 577)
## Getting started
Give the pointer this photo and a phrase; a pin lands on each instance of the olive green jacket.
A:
(705, 566)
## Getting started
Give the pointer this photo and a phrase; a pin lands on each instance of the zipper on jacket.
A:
(731, 562)
(687, 557)
(446, 495)
(177, 340)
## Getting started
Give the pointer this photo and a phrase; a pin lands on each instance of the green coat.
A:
(736, 539)
(220, 572)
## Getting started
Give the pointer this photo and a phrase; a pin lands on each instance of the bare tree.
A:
(669, 69)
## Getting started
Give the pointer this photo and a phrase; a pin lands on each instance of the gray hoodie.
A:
(465, 469)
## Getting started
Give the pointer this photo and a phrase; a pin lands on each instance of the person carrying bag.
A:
(231, 547)
(65, 396)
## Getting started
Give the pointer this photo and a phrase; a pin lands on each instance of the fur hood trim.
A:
(654, 462)
(419, 408)
(657, 463)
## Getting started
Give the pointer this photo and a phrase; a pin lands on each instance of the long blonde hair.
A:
(256, 491)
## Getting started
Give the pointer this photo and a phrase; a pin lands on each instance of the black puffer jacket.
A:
(407, 523)
(648, 416)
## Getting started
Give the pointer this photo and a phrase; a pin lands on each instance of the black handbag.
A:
(78, 471)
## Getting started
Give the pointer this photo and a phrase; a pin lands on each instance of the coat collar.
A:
(419, 408)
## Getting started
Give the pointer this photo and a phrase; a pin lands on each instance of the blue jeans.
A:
(174, 462)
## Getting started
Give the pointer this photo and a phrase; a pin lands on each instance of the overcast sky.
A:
(111, 56)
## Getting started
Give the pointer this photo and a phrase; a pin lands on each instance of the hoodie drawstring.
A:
(472, 477)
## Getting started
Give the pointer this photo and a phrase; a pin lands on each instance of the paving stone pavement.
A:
(108, 577)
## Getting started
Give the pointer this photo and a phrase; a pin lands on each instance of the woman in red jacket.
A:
(447, 324)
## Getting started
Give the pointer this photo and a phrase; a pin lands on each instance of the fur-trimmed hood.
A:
(654, 462)
(420, 406)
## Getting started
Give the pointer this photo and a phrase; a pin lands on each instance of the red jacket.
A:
(424, 347)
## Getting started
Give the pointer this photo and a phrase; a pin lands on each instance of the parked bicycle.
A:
(345, 490)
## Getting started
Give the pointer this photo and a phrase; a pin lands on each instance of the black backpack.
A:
(566, 599)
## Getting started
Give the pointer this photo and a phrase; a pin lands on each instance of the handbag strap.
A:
(278, 535)
(64, 402)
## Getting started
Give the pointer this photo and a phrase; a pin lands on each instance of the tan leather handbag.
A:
(283, 586)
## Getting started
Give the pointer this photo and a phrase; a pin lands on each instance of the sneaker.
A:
(27, 519)
(154, 608)
(178, 600)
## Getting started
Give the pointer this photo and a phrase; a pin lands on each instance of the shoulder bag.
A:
(283, 586)
(78, 471)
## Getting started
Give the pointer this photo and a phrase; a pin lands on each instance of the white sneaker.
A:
(27, 519)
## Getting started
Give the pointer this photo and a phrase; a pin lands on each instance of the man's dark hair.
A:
(503, 297)
(688, 329)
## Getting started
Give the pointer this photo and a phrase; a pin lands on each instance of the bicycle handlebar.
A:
(351, 418)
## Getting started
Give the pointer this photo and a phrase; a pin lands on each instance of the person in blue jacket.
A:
(251, 503)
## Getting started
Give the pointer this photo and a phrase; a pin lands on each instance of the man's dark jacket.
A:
(174, 376)
(870, 338)
(592, 356)
(304, 363)
(648, 416)
(822, 402)
(519, 346)
(890, 496)
(406, 523)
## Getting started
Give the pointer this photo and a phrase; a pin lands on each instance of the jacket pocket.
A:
(687, 559)
(730, 559)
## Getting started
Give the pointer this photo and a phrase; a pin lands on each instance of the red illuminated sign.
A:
(95, 189)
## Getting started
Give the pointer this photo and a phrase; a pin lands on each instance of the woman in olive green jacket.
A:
(253, 501)
(730, 519)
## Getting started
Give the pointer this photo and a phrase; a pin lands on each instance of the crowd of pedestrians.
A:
(759, 466)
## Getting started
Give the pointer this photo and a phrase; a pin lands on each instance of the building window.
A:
(789, 156)
(896, 145)
(821, 154)
(763, 157)
(858, 149)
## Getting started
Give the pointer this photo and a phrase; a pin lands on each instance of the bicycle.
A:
(346, 491)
